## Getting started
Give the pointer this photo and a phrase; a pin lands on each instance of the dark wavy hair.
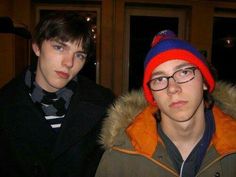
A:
(63, 26)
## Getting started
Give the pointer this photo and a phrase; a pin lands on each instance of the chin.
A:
(60, 83)
(182, 117)
(57, 86)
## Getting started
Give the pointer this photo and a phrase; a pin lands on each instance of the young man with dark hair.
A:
(51, 116)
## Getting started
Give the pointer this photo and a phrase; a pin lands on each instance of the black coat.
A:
(28, 145)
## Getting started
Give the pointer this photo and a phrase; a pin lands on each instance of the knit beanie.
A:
(166, 46)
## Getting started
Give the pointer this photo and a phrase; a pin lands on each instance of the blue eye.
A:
(58, 47)
(81, 56)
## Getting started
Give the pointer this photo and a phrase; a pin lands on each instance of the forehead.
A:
(171, 66)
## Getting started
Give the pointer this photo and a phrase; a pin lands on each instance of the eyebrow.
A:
(183, 65)
(59, 42)
(82, 52)
(65, 45)
(178, 67)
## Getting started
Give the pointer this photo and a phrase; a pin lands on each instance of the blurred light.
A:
(228, 42)
(88, 19)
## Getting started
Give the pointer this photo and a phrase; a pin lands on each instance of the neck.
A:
(185, 135)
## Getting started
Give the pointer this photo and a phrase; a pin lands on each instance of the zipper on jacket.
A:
(181, 169)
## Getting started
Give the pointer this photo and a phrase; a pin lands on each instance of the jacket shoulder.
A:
(12, 91)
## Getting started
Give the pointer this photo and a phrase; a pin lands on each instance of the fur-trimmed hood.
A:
(126, 107)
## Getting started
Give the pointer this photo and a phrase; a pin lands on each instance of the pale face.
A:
(58, 63)
(179, 102)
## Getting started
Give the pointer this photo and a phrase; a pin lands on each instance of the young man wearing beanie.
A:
(174, 129)
(50, 117)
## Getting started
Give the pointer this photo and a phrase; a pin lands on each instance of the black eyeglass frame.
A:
(172, 76)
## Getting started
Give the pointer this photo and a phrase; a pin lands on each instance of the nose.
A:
(68, 60)
(173, 87)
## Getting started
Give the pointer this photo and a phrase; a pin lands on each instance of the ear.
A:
(36, 49)
(205, 86)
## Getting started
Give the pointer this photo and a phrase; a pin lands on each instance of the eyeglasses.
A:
(180, 76)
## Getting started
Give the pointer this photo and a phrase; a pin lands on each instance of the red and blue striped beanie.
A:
(166, 46)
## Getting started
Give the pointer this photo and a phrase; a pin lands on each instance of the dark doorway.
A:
(224, 47)
(142, 31)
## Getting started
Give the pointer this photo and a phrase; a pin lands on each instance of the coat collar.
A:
(132, 105)
(143, 132)
(85, 112)
(83, 116)
(224, 138)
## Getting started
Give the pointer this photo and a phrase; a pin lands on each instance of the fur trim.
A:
(120, 115)
(225, 97)
(127, 106)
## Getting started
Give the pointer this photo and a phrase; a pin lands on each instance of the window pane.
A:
(223, 49)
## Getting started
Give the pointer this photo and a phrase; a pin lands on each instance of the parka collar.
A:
(131, 105)
(143, 132)
(224, 138)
